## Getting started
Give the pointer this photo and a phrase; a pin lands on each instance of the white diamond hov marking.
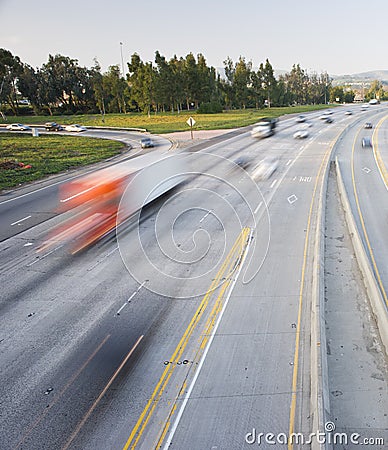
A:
(292, 199)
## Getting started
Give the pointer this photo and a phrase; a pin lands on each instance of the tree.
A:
(100, 95)
(349, 96)
(30, 86)
(268, 80)
(337, 94)
(142, 83)
(376, 90)
(296, 82)
(10, 69)
(115, 85)
(242, 81)
(228, 86)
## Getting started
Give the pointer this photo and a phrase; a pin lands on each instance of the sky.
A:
(337, 36)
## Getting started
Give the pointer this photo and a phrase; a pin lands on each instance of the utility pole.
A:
(122, 59)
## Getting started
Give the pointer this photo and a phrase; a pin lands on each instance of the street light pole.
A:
(122, 59)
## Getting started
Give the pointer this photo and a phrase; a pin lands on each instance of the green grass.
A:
(169, 122)
(49, 155)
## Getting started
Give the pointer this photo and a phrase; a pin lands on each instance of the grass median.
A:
(48, 155)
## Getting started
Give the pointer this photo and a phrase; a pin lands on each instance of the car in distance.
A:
(243, 161)
(300, 119)
(18, 127)
(329, 120)
(368, 125)
(264, 128)
(301, 134)
(75, 127)
(146, 143)
(265, 168)
(348, 113)
(53, 126)
(323, 117)
(366, 142)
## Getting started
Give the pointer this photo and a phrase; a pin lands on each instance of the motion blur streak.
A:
(91, 203)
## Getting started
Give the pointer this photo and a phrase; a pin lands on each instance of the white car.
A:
(324, 116)
(300, 119)
(18, 127)
(301, 134)
(265, 168)
(348, 113)
(146, 143)
(75, 127)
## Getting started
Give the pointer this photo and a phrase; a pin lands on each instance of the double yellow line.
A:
(227, 269)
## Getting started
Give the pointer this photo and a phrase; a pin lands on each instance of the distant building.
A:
(358, 98)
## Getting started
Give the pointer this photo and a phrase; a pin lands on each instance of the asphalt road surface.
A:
(191, 330)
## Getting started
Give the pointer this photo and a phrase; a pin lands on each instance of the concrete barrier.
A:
(374, 294)
(319, 397)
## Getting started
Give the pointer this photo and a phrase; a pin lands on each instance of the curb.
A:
(372, 288)
(320, 399)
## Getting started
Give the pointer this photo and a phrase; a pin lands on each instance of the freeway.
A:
(24, 208)
(189, 330)
(365, 177)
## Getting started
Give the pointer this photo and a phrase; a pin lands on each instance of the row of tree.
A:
(62, 86)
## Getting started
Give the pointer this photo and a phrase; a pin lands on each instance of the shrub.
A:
(210, 108)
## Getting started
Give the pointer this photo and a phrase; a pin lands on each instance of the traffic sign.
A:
(190, 122)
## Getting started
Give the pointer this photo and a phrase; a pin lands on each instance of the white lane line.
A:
(273, 183)
(210, 341)
(103, 258)
(204, 217)
(289, 162)
(130, 298)
(19, 221)
(78, 194)
(43, 256)
(258, 207)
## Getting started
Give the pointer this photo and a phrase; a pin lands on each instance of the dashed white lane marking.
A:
(103, 258)
(130, 298)
(258, 207)
(289, 162)
(204, 217)
(273, 183)
(44, 256)
(19, 221)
